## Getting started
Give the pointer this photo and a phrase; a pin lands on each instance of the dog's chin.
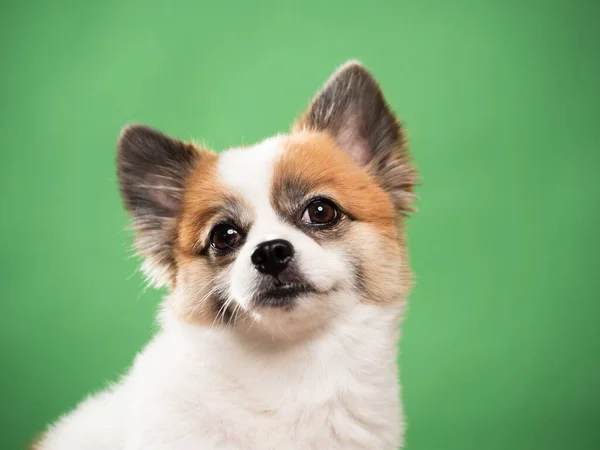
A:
(292, 313)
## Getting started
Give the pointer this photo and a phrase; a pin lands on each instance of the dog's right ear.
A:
(152, 170)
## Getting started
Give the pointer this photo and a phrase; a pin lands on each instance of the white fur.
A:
(196, 387)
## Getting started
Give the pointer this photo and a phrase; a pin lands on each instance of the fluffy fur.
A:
(235, 366)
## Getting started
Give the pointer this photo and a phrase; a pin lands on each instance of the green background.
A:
(501, 349)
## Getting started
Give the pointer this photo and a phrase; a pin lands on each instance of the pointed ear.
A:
(152, 170)
(352, 109)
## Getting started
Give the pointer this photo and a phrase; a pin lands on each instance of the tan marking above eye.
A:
(206, 202)
(312, 162)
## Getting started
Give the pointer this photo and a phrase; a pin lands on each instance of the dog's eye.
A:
(225, 237)
(320, 212)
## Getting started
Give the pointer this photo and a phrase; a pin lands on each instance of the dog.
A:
(287, 276)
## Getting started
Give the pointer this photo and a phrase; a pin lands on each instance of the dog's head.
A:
(281, 236)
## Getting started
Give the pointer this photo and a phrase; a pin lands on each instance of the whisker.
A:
(161, 187)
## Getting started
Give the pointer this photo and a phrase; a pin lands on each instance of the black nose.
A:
(272, 257)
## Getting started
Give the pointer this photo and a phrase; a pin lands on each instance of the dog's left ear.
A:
(152, 170)
(352, 109)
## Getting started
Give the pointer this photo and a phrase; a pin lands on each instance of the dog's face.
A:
(282, 236)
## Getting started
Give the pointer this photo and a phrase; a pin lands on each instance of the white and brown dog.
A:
(287, 273)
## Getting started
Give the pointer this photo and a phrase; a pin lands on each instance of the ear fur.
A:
(152, 169)
(351, 108)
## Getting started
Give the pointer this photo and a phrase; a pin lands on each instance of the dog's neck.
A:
(357, 351)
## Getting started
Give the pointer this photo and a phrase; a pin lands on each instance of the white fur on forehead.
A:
(249, 171)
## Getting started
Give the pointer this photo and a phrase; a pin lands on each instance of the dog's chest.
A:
(345, 420)
(336, 409)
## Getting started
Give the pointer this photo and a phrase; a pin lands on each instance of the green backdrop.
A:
(501, 349)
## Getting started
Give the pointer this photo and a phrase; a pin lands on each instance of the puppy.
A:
(287, 273)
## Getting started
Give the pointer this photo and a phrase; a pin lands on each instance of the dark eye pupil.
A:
(319, 211)
(225, 237)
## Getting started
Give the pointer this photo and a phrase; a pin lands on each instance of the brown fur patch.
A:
(202, 200)
(313, 164)
(205, 203)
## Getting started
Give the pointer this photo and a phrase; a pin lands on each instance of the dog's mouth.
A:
(282, 295)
